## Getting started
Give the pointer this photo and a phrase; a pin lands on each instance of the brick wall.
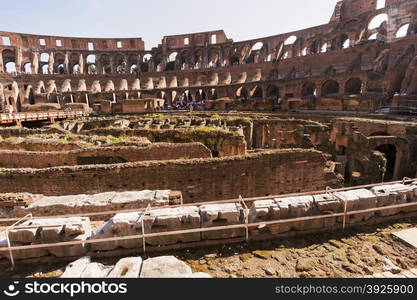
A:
(260, 174)
(159, 151)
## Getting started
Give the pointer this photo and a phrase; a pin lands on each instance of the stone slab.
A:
(409, 236)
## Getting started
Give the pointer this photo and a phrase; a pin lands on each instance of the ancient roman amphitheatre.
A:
(293, 155)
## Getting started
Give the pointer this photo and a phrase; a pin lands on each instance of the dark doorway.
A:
(390, 153)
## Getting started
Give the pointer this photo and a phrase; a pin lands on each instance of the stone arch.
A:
(172, 61)
(120, 63)
(377, 20)
(353, 86)
(213, 58)
(146, 63)
(59, 63)
(272, 92)
(105, 64)
(74, 60)
(330, 87)
(212, 94)
(256, 93)
(402, 31)
(27, 68)
(200, 95)
(309, 88)
(242, 93)
(9, 61)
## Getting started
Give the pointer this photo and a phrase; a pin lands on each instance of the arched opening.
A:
(198, 60)
(27, 68)
(171, 61)
(45, 69)
(258, 46)
(199, 96)
(213, 57)
(314, 47)
(61, 69)
(173, 56)
(59, 61)
(402, 31)
(330, 87)
(242, 93)
(11, 67)
(120, 63)
(91, 64)
(31, 97)
(377, 21)
(213, 95)
(91, 59)
(74, 60)
(308, 89)
(323, 48)
(76, 69)
(344, 41)
(133, 69)
(257, 93)
(234, 57)
(272, 92)
(44, 57)
(353, 86)
(9, 61)
(304, 51)
(390, 153)
(92, 69)
(290, 40)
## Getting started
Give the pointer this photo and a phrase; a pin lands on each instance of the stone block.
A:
(394, 194)
(95, 270)
(44, 231)
(264, 210)
(21, 254)
(23, 235)
(298, 207)
(126, 224)
(217, 215)
(76, 268)
(172, 219)
(328, 204)
(358, 200)
(127, 268)
(165, 267)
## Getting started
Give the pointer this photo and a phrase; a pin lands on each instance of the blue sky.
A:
(152, 19)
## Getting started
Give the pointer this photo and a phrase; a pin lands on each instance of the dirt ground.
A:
(352, 253)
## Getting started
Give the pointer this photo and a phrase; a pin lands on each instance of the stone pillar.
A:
(81, 64)
(51, 63)
(35, 63)
(66, 63)
(1, 63)
(18, 60)
(112, 67)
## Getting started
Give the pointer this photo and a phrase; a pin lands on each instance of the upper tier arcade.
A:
(353, 22)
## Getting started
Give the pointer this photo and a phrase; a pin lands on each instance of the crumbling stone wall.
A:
(274, 172)
(109, 155)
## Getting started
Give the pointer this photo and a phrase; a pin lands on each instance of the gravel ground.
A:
(353, 253)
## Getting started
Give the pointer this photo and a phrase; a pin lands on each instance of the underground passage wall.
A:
(160, 151)
(274, 172)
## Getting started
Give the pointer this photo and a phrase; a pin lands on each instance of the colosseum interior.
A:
(241, 158)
